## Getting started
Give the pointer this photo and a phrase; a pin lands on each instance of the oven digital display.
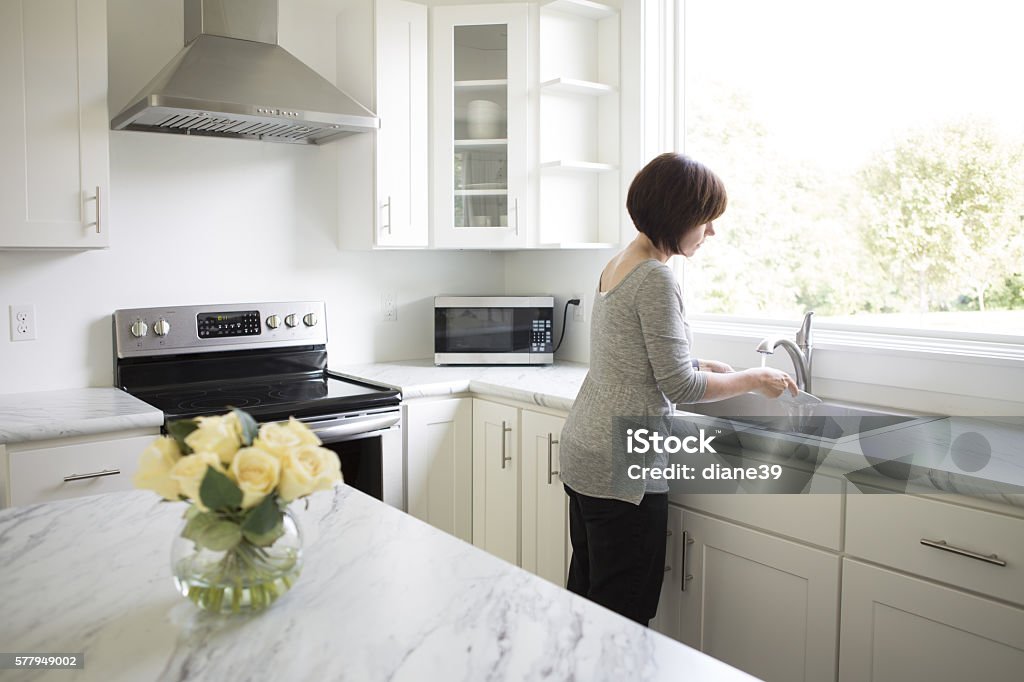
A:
(219, 325)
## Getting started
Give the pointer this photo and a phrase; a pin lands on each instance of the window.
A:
(874, 156)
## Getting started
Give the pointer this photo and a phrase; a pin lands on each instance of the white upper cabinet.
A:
(55, 183)
(382, 62)
(480, 125)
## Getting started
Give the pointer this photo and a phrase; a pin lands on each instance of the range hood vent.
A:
(232, 79)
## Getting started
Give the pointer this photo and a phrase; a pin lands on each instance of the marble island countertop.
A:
(382, 596)
(72, 412)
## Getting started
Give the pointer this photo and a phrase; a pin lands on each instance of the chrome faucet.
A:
(799, 352)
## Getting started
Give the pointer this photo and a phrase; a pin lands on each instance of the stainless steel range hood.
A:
(232, 79)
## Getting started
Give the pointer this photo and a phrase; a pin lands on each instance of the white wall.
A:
(214, 221)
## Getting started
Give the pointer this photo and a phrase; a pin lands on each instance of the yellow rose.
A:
(256, 473)
(279, 438)
(155, 466)
(220, 435)
(307, 469)
(188, 473)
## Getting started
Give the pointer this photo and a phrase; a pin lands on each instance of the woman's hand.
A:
(772, 382)
(715, 366)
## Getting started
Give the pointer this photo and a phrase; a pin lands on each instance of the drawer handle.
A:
(946, 547)
(97, 474)
(668, 569)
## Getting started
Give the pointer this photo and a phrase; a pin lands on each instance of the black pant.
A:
(618, 552)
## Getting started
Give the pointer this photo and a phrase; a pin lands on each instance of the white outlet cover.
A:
(23, 322)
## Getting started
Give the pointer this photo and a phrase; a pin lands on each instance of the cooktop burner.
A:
(268, 401)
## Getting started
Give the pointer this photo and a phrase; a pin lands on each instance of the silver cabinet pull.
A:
(946, 547)
(687, 577)
(668, 569)
(551, 442)
(97, 474)
(515, 207)
(97, 200)
(504, 454)
(668, 533)
(387, 225)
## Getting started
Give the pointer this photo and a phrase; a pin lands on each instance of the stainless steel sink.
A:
(784, 431)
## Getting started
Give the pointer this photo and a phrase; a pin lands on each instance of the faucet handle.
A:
(803, 336)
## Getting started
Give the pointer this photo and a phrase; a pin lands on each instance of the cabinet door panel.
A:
(54, 125)
(496, 479)
(402, 139)
(896, 627)
(439, 444)
(667, 619)
(545, 504)
(763, 604)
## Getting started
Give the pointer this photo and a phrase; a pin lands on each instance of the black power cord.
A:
(565, 314)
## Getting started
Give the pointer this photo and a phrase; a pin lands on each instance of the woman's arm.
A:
(764, 380)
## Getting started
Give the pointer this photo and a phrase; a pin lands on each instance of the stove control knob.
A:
(274, 321)
(292, 320)
(162, 327)
(310, 319)
(139, 328)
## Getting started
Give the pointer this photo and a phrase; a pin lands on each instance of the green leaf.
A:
(217, 491)
(197, 525)
(249, 426)
(262, 525)
(179, 430)
(220, 535)
(191, 511)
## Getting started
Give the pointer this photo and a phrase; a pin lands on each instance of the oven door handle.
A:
(336, 429)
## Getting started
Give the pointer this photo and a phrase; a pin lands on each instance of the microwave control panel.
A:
(540, 337)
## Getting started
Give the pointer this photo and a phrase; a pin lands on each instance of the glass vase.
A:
(242, 579)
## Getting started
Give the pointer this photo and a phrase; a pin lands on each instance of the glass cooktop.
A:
(270, 400)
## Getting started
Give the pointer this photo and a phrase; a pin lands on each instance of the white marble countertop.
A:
(72, 412)
(554, 386)
(382, 596)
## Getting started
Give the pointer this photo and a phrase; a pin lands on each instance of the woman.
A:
(640, 365)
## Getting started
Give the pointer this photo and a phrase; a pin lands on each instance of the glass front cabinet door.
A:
(480, 125)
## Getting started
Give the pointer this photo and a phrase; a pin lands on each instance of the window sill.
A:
(925, 344)
(890, 368)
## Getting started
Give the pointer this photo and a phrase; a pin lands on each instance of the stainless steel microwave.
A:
(493, 330)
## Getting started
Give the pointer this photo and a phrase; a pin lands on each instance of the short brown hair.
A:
(671, 195)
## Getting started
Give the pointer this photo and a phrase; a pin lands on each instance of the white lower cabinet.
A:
(496, 466)
(764, 604)
(544, 502)
(45, 471)
(667, 620)
(439, 460)
(897, 627)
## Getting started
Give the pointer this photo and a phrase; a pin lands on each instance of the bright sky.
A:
(835, 80)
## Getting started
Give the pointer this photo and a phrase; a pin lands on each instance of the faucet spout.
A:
(799, 352)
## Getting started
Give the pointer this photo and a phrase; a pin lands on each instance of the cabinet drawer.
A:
(814, 518)
(889, 529)
(38, 475)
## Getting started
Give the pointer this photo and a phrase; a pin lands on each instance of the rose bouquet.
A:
(239, 548)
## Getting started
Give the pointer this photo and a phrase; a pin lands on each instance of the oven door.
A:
(369, 445)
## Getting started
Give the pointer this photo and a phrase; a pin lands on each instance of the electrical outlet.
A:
(579, 312)
(389, 307)
(23, 322)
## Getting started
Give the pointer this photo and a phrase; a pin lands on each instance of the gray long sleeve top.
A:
(639, 367)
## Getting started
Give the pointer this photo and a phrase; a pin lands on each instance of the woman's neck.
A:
(643, 247)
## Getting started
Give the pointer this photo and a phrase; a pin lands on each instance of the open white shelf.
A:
(575, 86)
(578, 166)
(584, 8)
